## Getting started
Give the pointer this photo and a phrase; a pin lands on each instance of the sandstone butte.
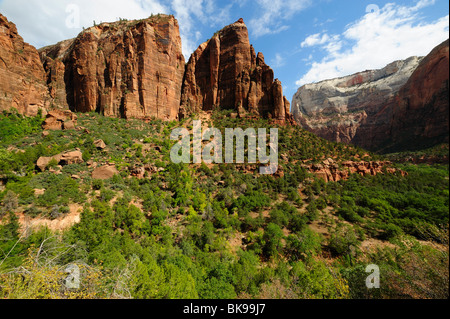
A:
(403, 106)
(226, 72)
(22, 76)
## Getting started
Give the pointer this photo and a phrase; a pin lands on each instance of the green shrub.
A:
(97, 184)
(343, 240)
(303, 244)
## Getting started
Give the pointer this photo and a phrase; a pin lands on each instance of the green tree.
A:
(272, 237)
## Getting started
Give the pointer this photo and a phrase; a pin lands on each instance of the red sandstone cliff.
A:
(225, 72)
(131, 69)
(22, 77)
(421, 112)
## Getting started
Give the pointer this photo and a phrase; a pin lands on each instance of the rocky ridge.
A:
(332, 171)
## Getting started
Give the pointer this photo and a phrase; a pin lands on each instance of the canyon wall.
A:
(352, 109)
(22, 76)
(130, 69)
(403, 106)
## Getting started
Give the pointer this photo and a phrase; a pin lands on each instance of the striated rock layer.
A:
(22, 77)
(225, 72)
(348, 109)
(403, 106)
(130, 69)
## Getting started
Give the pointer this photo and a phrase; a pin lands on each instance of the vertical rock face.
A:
(225, 72)
(403, 106)
(131, 69)
(22, 78)
(421, 113)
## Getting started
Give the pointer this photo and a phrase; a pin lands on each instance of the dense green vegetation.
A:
(213, 231)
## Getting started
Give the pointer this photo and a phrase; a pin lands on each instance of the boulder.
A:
(100, 144)
(68, 125)
(104, 172)
(43, 162)
(59, 119)
(74, 157)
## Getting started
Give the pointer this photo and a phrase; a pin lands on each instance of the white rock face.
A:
(342, 108)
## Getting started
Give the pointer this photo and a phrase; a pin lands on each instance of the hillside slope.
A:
(140, 226)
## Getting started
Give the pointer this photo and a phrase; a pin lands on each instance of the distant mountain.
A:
(403, 106)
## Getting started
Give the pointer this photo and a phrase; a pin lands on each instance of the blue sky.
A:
(304, 41)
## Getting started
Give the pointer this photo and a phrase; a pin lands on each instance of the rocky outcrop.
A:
(130, 69)
(403, 106)
(226, 73)
(332, 171)
(22, 77)
(68, 158)
(100, 144)
(58, 119)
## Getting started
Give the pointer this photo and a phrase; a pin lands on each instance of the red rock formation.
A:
(74, 157)
(225, 72)
(54, 67)
(58, 119)
(131, 69)
(421, 113)
(22, 77)
(331, 171)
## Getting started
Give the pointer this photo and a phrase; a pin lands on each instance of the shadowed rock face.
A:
(225, 72)
(22, 76)
(420, 116)
(403, 106)
(131, 69)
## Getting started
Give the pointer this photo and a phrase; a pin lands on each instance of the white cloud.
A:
(315, 39)
(274, 13)
(394, 32)
(44, 22)
(278, 61)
